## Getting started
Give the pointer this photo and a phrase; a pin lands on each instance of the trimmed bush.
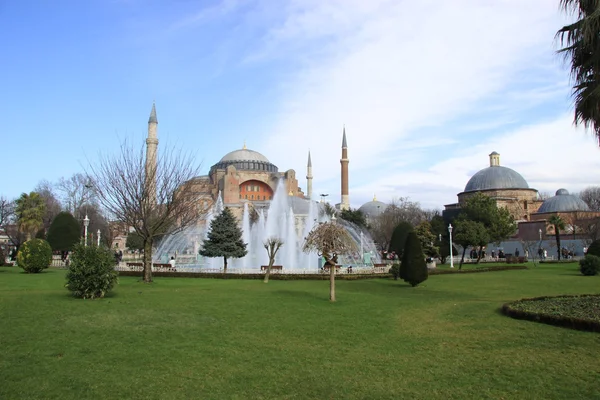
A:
(395, 270)
(413, 268)
(91, 272)
(590, 265)
(594, 249)
(398, 240)
(34, 256)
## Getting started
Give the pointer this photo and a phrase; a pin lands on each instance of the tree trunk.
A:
(557, 233)
(224, 264)
(271, 262)
(479, 253)
(331, 281)
(462, 258)
(148, 261)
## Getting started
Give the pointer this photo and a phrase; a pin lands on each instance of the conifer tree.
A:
(64, 232)
(224, 238)
(399, 236)
(413, 269)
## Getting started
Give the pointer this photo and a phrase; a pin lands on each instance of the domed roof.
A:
(244, 155)
(496, 177)
(373, 208)
(563, 202)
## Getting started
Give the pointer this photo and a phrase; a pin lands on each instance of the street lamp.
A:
(86, 223)
(540, 244)
(440, 237)
(98, 237)
(451, 257)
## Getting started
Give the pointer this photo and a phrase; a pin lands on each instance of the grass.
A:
(242, 339)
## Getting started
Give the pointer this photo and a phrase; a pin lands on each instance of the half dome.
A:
(563, 202)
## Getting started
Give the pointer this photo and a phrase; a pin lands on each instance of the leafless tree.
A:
(53, 205)
(272, 245)
(399, 210)
(76, 191)
(591, 196)
(154, 203)
(7, 211)
(330, 240)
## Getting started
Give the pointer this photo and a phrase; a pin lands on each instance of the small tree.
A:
(64, 232)
(272, 245)
(330, 240)
(427, 238)
(355, 216)
(413, 268)
(224, 238)
(91, 272)
(30, 209)
(469, 233)
(558, 224)
(34, 256)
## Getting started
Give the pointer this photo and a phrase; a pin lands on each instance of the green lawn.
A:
(242, 339)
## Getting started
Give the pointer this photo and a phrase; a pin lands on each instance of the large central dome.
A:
(245, 160)
(244, 155)
(496, 177)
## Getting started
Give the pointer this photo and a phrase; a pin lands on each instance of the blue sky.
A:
(426, 89)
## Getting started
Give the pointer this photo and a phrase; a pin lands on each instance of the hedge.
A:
(553, 316)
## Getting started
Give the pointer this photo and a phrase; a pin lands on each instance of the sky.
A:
(425, 90)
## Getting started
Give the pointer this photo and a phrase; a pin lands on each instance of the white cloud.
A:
(404, 77)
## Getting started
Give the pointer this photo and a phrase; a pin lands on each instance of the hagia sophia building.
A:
(246, 176)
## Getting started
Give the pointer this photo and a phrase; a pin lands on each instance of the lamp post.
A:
(86, 223)
(451, 257)
(98, 237)
(540, 245)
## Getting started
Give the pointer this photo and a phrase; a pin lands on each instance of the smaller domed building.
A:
(506, 186)
(373, 209)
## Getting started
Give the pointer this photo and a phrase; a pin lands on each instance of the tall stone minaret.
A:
(345, 204)
(151, 145)
(309, 177)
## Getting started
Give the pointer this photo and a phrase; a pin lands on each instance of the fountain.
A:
(278, 220)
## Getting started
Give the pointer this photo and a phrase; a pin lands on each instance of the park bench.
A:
(274, 268)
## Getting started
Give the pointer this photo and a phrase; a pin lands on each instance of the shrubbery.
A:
(590, 265)
(91, 272)
(2, 257)
(594, 249)
(34, 255)
(395, 270)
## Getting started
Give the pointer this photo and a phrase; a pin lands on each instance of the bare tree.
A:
(154, 202)
(591, 196)
(330, 240)
(7, 211)
(53, 205)
(272, 245)
(399, 210)
(76, 191)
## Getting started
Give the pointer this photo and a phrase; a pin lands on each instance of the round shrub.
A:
(34, 255)
(594, 249)
(395, 270)
(590, 265)
(91, 272)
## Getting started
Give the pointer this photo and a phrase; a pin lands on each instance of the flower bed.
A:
(576, 312)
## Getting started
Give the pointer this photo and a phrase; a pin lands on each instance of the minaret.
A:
(309, 177)
(345, 204)
(151, 145)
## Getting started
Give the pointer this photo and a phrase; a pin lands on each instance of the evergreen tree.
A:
(399, 237)
(469, 233)
(134, 241)
(413, 268)
(64, 232)
(224, 238)
(355, 216)
(428, 239)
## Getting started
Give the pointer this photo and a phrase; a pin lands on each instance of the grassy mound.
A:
(576, 312)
